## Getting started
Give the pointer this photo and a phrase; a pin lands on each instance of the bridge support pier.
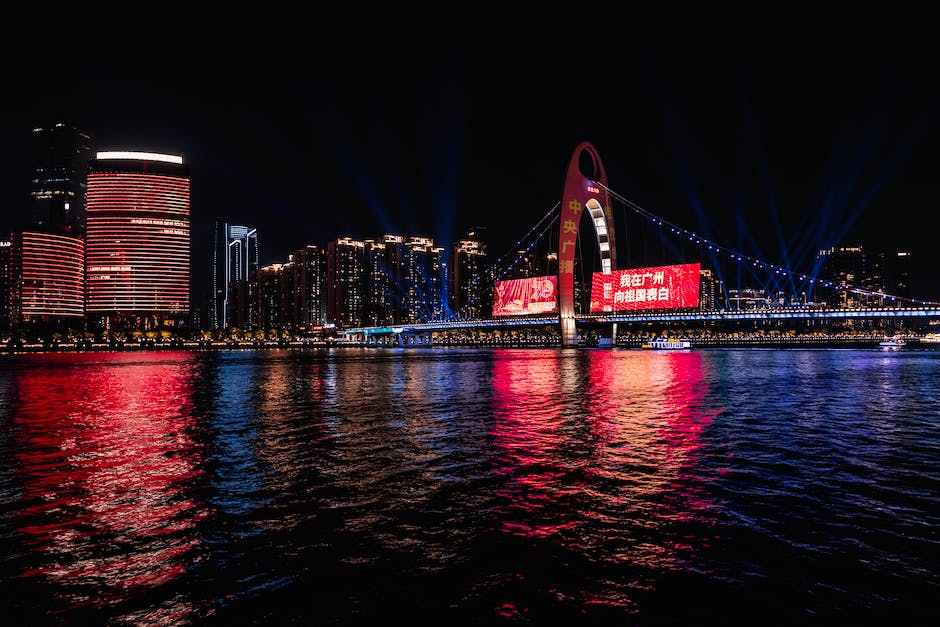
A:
(411, 338)
(569, 332)
(609, 339)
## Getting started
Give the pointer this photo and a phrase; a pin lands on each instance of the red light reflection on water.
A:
(654, 400)
(103, 451)
(602, 455)
(647, 412)
(528, 395)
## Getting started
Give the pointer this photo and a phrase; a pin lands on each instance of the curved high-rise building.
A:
(138, 236)
(46, 273)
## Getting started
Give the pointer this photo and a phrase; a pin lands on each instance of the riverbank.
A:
(149, 345)
(753, 341)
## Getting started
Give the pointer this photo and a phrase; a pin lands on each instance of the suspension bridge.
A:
(677, 277)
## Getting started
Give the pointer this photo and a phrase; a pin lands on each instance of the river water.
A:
(470, 486)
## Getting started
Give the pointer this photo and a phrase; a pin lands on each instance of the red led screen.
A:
(662, 287)
(535, 295)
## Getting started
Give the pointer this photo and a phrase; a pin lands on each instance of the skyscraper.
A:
(309, 287)
(235, 256)
(468, 282)
(844, 267)
(422, 283)
(271, 299)
(345, 274)
(60, 163)
(138, 239)
(899, 273)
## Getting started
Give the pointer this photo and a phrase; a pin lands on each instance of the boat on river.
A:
(667, 344)
(893, 343)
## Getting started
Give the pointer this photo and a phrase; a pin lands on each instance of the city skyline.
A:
(777, 135)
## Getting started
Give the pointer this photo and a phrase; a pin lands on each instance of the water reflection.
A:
(601, 456)
(648, 414)
(323, 487)
(528, 435)
(103, 455)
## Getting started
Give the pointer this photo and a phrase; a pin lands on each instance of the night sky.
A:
(780, 127)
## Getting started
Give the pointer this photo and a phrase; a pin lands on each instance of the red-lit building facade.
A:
(43, 278)
(137, 240)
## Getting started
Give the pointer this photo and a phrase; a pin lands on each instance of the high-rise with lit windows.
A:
(45, 278)
(310, 293)
(422, 281)
(468, 280)
(235, 257)
(60, 159)
(138, 239)
(345, 280)
(844, 268)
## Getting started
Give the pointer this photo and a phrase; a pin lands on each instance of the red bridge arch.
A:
(582, 192)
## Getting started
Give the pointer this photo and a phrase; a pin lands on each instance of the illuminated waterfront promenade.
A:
(531, 340)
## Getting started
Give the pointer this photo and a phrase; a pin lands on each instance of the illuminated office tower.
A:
(235, 257)
(137, 240)
(44, 278)
(60, 155)
(468, 281)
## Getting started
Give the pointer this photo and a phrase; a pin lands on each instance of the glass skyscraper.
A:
(235, 257)
(61, 154)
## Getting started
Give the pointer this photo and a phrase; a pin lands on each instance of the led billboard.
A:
(535, 295)
(662, 287)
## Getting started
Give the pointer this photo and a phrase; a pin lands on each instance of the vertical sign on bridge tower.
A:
(582, 192)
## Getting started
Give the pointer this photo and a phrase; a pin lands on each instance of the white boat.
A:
(931, 338)
(892, 343)
(667, 344)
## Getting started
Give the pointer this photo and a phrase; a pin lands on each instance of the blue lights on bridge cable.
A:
(745, 259)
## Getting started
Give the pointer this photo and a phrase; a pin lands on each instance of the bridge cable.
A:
(497, 272)
(746, 259)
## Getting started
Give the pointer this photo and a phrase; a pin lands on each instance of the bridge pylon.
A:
(582, 191)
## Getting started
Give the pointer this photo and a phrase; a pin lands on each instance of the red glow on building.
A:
(661, 287)
(535, 295)
(137, 243)
(48, 276)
